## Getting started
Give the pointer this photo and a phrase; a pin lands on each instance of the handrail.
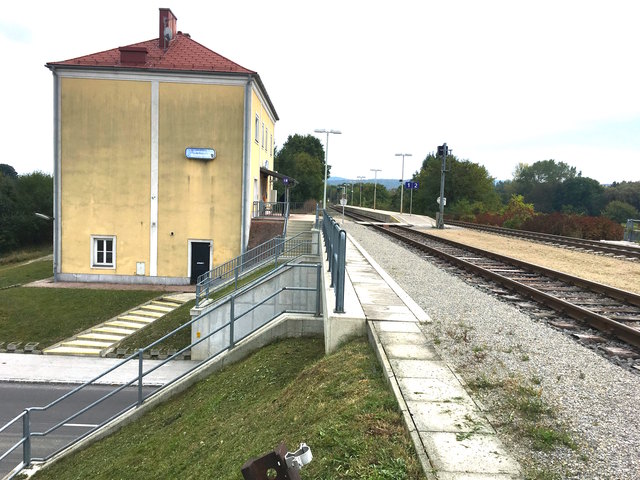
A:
(28, 435)
(335, 241)
(271, 250)
(277, 209)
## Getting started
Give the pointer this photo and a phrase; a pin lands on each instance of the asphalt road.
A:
(15, 397)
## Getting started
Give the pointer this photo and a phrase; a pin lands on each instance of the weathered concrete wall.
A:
(248, 318)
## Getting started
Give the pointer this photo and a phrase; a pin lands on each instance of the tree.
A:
(20, 197)
(581, 195)
(628, 192)
(538, 183)
(302, 158)
(620, 211)
(7, 171)
(464, 182)
(517, 212)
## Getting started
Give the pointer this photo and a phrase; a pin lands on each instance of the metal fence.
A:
(335, 241)
(24, 420)
(279, 209)
(276, 250)
(632, 231)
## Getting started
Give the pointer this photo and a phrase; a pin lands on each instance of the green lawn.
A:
(49, 315)
(288, 391)
(19, 274)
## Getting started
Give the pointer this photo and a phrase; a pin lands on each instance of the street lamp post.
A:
(402, 179)
(360, 178)
(326, 161)
(375, 184)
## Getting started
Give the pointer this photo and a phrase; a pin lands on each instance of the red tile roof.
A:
(183, 54)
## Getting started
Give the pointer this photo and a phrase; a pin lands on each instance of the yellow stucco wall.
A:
(199, 200)
(105, 171)
(260, 153)
(105, 147)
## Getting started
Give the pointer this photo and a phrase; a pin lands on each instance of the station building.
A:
(160, 150)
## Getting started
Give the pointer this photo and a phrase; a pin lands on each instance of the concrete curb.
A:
(374, 341)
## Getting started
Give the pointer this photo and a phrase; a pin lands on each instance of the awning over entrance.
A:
(289, 180)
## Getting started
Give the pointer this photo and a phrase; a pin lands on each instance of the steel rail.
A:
(600, 322)
(627, 251)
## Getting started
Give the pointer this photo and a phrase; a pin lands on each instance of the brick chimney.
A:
(168, 27)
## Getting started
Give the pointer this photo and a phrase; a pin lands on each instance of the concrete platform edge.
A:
(420, 314)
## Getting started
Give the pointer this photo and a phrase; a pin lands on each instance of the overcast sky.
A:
(502, 82)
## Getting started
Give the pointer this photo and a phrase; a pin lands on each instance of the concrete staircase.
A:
(99, 340)
(298, 226)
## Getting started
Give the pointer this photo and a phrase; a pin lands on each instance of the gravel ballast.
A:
(563, 410)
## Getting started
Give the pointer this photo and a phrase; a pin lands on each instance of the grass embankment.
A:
(26, 254)
(49, 315)
(288, 391)
(19, 274)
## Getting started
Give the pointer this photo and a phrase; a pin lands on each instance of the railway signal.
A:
(443, 151)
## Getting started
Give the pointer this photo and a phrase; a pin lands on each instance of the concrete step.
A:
(165, 303)
(156, 308)
(109, 337)
(63, 350)
(137, 318)
(146, 313)
(113, 330)
(130, 325)
(86, 343)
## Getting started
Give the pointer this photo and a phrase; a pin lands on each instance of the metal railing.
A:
(278, 209)
(632, 231)
(335, 241)
(273, 250)
(26, 417)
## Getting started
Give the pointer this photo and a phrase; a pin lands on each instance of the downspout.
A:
(246, 166)
(57, 245)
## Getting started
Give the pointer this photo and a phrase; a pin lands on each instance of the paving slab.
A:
(433, 390)
(405, 327)
(476, 453)
(403, 338)
(421, 369)
(410, 351)
(448, 417)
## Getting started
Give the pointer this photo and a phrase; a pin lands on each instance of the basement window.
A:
(103, 252)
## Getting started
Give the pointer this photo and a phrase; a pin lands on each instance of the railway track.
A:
(613, 312)
(591, 246)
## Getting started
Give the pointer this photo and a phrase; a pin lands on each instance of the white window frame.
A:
(262, 134)
(257, 126)
(95, 242)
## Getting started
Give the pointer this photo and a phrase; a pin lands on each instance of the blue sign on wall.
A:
(200, 153)
(411, 185)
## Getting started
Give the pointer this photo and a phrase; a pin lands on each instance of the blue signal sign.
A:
(411, 185)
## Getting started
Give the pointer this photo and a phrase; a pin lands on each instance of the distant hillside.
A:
(388, 183)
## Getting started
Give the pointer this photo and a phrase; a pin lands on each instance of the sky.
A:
(501, 82)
